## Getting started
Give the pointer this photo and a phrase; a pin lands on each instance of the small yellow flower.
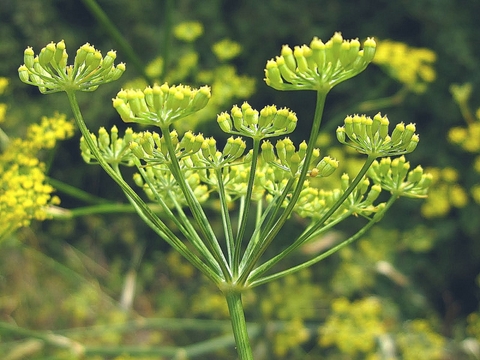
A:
(188, 31)
(408, 65)
(226, 49)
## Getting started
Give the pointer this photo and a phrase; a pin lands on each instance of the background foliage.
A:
(411, 282)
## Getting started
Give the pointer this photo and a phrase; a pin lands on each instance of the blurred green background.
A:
(72, 273)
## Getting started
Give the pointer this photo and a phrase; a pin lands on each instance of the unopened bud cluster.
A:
(314, 202)
(160, 105)
(370, 136)
(247, 121)
(288, 158)
(160, 185)
(320, 65)
(395, 176)
(114, 149)
(50, 72)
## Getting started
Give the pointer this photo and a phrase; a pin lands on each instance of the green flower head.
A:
(160, 105)
(50, 72)
(320, 65)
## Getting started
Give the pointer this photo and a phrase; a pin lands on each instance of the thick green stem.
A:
(239, 326)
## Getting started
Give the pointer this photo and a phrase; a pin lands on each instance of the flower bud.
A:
(412, 145)
(318, 52)
(138, 180)
(302, 149)
(46, 54)
(408, 133)
(267, 152)
(116, 73)
(267, 115)
(109, 59)
(250, 116)
(137, 150)
(285, 71)
(237, 116)
(287, 55)
(415, 175)
(369, 48)
(294, 163)
(103, 138)
(374, 193)
(201, 98)
(23, 74)
(28, 57)
(398, 133)
(299, 54)
(349, 127)
(340, 134)
(225, 122)
(272, 74)
(327, 166)
(123, 110)
(60, 56)
(384, 167)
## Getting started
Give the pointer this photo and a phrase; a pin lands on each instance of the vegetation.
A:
(82, 277)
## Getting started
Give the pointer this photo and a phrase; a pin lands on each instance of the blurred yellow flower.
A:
(226, 49)
(188, 31)
(24, 190)
(408, 65)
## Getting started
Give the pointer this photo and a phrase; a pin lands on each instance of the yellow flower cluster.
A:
(444, 194)
(354, 327)
(226, 49)
(411, 66)
(188, 31)
(283, 303)
(467, 137)
(420, 341)
(24, 191)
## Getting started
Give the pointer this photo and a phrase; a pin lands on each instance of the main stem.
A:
(239, 326)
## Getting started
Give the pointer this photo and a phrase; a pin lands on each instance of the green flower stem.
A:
(195, 206)
(117, 36)
(385, 102)
(76, 192)
(272, 232)
(227, 224)
(264, 224)
(327, 253)
(142, 208)
(79, 350)
(181, 221)
(192, 235)
(111, 208)
(239, 326)
(52, 339)
(246, 208)
(312, 230)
